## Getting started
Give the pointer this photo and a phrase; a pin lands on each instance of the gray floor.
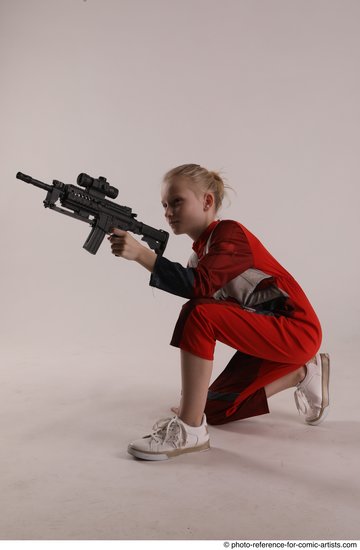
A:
(65, 473)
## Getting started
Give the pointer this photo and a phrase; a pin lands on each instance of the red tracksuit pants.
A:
(268, 348)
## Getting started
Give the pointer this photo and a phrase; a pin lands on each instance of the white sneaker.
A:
(312, 394)
(171, 437)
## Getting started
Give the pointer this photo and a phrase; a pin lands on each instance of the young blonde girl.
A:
(239, 295)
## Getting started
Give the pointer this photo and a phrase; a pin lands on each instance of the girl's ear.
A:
(208, 201)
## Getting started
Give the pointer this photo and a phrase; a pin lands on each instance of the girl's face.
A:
(185, 211)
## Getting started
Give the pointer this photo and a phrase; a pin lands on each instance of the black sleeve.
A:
(173, 277)
(228, 256)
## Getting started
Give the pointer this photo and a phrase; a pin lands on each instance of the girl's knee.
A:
(193, 331)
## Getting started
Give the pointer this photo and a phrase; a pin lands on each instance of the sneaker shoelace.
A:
(169, 430)
(301, 401)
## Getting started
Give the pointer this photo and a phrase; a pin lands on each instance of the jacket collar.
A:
(200, 243)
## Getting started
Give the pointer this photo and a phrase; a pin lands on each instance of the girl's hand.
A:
(124, 245)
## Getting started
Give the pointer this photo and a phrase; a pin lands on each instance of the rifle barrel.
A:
(37, 183)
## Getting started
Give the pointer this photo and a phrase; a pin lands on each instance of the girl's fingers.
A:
(118, 232)
(117, 249)
(115, 240)
(116, 235)
(123, 244)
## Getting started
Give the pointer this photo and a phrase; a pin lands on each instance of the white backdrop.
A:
(266, 92)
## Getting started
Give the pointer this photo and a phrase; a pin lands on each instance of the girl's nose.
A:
(168, 212)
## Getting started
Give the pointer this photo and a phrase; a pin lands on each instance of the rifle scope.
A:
(100, 184)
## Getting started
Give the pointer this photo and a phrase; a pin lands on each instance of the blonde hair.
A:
(202, 179)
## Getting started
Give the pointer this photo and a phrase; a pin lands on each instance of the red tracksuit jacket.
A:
(235, 265)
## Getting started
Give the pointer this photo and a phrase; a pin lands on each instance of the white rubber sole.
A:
(148, 455)
(325, 378)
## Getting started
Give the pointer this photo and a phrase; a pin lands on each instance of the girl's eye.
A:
(172, 203)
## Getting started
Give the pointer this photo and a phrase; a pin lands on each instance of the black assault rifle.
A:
(90, 205)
